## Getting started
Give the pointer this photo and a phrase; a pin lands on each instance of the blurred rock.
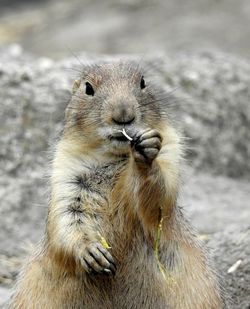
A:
(212, 94)
(231, 248)
(33, 97)
(214, 202)
(4, 295)
(54, 27)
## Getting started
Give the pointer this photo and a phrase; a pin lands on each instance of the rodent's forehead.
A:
(113, 72)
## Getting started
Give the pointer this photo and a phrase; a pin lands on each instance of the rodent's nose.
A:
(123, 115)
(123, 121)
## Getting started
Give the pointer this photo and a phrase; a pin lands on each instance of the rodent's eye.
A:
(89, 89)
(142, 84)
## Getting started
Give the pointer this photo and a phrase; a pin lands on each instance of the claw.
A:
(146, 146)
(97, 260)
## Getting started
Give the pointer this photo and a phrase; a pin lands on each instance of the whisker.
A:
(73, 69)
(76, 56)
(169, 95)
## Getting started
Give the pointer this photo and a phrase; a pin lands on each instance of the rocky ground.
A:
(209, 96)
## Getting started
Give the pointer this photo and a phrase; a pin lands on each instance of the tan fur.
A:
(123, 207)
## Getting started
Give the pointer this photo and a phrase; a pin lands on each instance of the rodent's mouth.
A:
(118, 136)
(119, 144)
(126, 135)
(118, 139)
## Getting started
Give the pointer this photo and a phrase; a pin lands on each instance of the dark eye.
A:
(142, 84)
(89, 89)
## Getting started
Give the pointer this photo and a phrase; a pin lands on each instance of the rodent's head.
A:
(110, 97)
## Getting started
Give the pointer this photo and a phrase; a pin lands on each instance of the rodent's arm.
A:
(74, 231)
(70, 224)
(152, 185)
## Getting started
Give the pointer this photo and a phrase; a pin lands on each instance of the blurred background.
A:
(53, 27)
(199, 50)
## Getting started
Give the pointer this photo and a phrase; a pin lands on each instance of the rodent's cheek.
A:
(106, 115)
(104, 131)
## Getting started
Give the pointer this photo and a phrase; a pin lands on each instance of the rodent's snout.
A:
(123, 113)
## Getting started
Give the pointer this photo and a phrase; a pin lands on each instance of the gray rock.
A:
(211, 92)
(214, 202)
(232, 249)
(33, 97)
(4, 296)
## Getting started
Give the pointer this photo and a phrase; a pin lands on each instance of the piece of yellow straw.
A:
(167, 276)
(104, 242)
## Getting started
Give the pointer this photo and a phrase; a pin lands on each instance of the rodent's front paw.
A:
(147, 146)
(98, 260)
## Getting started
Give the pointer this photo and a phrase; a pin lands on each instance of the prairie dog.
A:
(115, 236)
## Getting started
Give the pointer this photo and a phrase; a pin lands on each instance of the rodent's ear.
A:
(76, 85)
